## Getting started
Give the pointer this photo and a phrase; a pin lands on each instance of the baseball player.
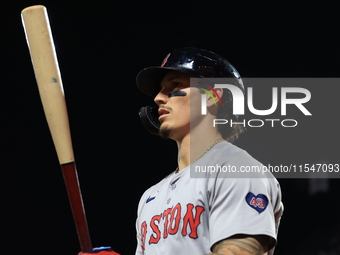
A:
(211, 214)
(183, 215)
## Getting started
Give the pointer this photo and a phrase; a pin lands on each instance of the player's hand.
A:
(100, 251)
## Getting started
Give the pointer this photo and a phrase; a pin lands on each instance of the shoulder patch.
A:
(258, 202)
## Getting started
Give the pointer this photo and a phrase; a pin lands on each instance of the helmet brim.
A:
(149, 79)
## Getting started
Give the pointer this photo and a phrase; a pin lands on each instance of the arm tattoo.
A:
(247, 246)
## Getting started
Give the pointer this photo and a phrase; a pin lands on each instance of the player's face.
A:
(174, 104)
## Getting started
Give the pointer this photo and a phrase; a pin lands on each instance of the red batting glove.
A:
(101, 251)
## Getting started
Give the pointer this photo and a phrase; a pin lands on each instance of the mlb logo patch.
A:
(259, 202)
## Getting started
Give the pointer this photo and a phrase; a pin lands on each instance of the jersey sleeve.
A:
(140, 227)
(139, 248)
(250, 206)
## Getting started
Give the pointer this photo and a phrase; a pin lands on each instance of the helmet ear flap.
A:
(149, 118)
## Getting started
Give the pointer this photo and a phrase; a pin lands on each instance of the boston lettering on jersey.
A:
(171, 220)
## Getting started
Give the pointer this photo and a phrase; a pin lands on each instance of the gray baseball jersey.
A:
(183, 215)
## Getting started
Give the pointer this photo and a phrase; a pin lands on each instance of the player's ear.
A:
(215, 97)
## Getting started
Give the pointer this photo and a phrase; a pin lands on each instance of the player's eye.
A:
(176, 85)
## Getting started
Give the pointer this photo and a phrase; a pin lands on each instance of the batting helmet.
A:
(199, 62)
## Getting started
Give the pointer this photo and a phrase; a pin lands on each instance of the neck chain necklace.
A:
(208, 149)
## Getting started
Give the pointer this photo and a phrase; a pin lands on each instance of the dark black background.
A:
(101, 46)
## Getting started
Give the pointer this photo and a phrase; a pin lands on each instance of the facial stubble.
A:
(164, 131)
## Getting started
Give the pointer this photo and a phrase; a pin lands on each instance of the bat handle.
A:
(73, 190)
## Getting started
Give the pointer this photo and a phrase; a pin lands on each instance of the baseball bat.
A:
(45, 64)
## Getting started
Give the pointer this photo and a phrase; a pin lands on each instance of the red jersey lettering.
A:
(174, 219)
(192, 222)
(143, 228)
(156, 235)
(166, 213)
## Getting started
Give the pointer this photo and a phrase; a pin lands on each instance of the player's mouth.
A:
(162, 113)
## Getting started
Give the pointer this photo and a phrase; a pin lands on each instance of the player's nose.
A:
(161, 98)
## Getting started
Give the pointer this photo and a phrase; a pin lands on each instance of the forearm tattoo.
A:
(245, 246)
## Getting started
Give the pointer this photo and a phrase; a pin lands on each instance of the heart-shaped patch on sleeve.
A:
(259, 202)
